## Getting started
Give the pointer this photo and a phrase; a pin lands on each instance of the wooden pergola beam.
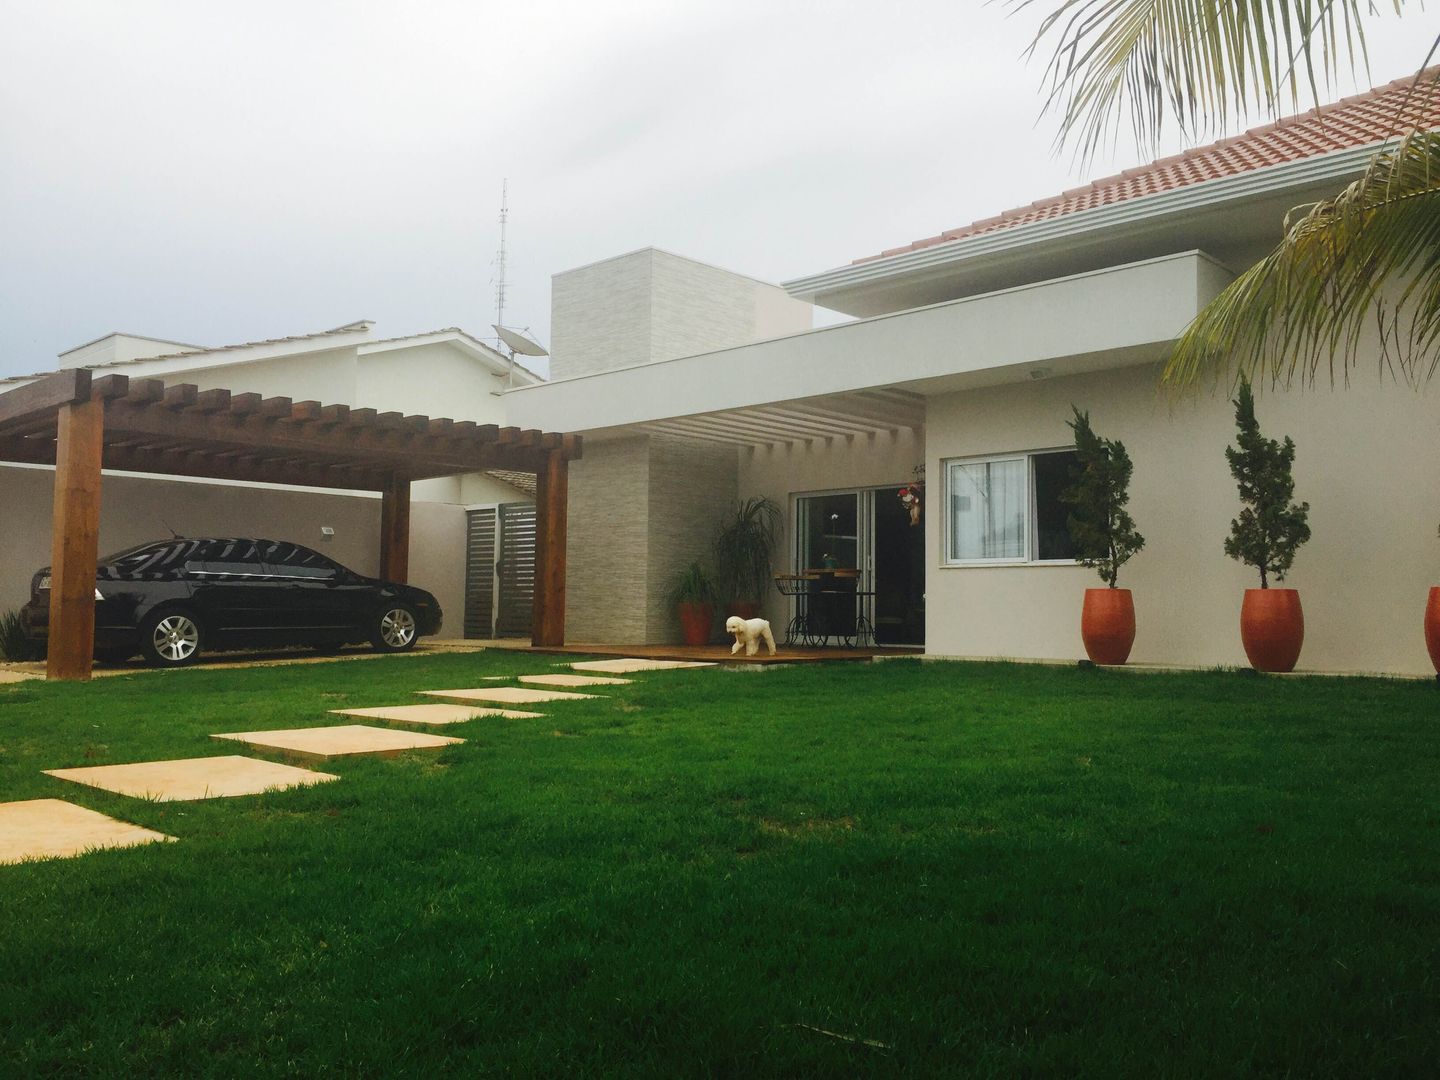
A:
(392, 450)
(177, 460)
(41, 400)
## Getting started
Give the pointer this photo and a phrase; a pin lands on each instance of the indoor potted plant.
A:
(744, 542)
(693, 595)
(1266, 535)
(1105, 539)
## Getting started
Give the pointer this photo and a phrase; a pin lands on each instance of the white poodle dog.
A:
(749, 633)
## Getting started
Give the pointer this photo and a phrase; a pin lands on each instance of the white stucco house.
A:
(472, 535)
(693, 387)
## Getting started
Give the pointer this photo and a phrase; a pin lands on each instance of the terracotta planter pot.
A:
(695, 622)
(1432, 627)
(1272, 628)
(746, 609)
(1107, 625)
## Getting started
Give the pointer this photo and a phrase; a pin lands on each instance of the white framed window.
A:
(1006, 509)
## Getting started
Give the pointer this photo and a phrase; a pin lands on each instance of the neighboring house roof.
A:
(522, 481)
(469, 343)
(127, 334)
(277, 348)
(348, 328)
(194, 355)
(1362, 120)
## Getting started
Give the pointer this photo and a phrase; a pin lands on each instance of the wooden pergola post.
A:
(75, 539)
(395, 530)
(552, 489)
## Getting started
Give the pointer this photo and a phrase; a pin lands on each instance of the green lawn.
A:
(986, 869)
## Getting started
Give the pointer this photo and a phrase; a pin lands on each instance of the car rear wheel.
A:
(171, 639)
(395, 629)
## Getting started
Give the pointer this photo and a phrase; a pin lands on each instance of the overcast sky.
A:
(217, 172)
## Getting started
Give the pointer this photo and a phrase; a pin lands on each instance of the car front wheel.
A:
(395, 629)
(171, 639)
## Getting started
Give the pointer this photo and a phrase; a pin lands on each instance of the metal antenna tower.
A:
(500, 256)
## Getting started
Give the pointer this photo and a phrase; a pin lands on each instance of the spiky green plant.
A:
(1270, 528)
(1104, 533)
(14, 645)
(693, 585)
(1195, 63)
(744, 543)
(1365, 262)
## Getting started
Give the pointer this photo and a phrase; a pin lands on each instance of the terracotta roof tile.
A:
(1362, 120)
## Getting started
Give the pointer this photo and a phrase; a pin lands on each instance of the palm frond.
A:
(1368, 258)
(1198, 62)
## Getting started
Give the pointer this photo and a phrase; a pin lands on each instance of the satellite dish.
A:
(519, 343)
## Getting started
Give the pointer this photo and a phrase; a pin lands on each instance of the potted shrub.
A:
(744, 542)
(693, 595)
(1432, 628)
(1105, 539)
(1266, 535)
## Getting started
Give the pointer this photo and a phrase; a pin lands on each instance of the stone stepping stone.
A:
(573, 680)
(505, 695)
(628, 665)
(55, 829)
(342, 740)
(436, 714)
(193, 778)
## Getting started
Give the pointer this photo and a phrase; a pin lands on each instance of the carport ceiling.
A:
(182, 430)
(833, 416)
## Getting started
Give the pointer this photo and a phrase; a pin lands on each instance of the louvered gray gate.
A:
(482, 535)
(516, 570)
(500, 570)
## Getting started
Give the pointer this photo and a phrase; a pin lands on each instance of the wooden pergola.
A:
(81, 424)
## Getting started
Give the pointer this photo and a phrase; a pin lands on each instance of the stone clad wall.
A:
(607, 544)
(600, 316)
(640, 510)
(692, 484)
(649, 306)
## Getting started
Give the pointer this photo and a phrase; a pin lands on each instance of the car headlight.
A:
(98, 596)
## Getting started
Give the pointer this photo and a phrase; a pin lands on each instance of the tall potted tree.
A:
(744, 543)
(1105, 539)
(1266, 535)
(693, 594)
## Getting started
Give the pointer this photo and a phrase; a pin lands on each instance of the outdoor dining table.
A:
(828, 604)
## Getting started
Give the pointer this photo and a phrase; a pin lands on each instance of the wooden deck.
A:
(719, 654)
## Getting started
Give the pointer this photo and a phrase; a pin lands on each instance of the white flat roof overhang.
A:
(873, 374)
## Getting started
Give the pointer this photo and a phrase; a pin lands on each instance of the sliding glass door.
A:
(832, 552)
(829, 533)
(870, 565)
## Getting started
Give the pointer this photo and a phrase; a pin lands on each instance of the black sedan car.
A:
(172, 599)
